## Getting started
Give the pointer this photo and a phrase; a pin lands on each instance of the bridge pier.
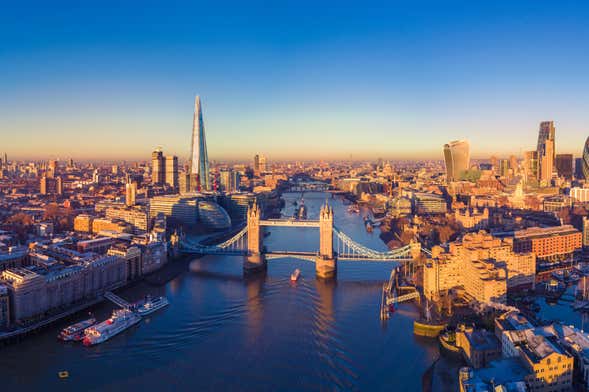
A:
(325, 268)
(253, 263)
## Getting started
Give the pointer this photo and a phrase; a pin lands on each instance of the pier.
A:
(116, 300)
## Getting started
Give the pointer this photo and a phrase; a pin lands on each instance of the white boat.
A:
(150, 305)
(75, 332)
(295, 275)
(120, 320)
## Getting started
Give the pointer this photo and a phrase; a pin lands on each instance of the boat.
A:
(63, 374)
(295, 275)
(75, 332)
(559, 275)
(120, 320)
(149, 305)
(554, 289)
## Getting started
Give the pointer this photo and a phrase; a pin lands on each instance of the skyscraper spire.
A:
(199, 159)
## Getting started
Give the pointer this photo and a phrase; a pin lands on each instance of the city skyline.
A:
(374, 81)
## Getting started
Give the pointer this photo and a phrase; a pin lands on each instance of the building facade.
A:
(457, 159)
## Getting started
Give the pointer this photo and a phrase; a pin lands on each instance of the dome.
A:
(213, 215)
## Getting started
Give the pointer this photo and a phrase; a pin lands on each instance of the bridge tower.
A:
(254, 260)
(326, 261)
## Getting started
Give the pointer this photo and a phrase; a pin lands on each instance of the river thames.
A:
(226, 332)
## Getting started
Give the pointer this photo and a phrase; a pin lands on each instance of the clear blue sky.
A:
(304, 79)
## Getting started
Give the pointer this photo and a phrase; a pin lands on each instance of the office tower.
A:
(5, 159)
(96, 176)
(546, 151)
(259, 164)
(157, 167)
(199, 159)
(70, 163)
(130, 193)
(43, 185)
(504, 168)
(52, 169)
(115, 170)
(457, 158)
(58, 186)
(547, 163)
(579, 169)
(229, 180)
(585, 160)
(184, 182)
(171, 171)
(531, 164)
(564, 165)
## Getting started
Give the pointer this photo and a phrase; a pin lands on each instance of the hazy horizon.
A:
(302, 81)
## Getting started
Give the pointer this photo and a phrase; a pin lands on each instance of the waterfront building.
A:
(36, 290)
(564, 165)
(132, 256)
(83, 223)
(457, 159)
(479, 346)
(546, 151)
(157, 167)
(548, 243)
(179, 209)
(485, 266)
(137, 216)
(502, 375)
(199, 160)
(171, 167)
(237, 204)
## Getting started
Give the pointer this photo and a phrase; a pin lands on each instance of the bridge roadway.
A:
(289, 223)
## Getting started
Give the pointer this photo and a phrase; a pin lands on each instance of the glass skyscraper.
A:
(457, 158)
(199, 159)
(585, 160)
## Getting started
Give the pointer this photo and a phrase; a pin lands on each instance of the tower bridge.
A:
(334, 245)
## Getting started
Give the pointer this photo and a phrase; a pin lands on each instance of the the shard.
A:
(199, 159)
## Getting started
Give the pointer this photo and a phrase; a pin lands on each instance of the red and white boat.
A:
(120, 320)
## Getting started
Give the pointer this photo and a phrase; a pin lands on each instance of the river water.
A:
(226, 332)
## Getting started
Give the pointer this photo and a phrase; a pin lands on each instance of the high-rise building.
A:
(564, 165)
(546, 151)
(199, 159)
(259, 164)
(547, 163)
(43, 185)
(504, 168)
(157, 167)
(531, 164)
(172, 171)
(130, 193)
(585, 160)
(457, 158)
(52, 169)
(229, 180)
(579, 169)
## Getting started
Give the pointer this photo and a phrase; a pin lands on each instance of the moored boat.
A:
(75, 332)
(295, 275)
(150, 305)
(120, 320)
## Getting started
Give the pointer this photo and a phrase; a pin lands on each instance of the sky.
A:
(291, 80)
